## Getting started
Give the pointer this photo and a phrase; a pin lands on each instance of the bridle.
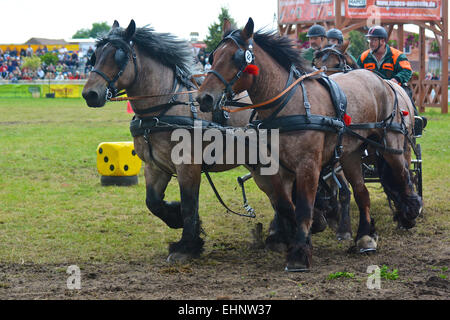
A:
(241, 58)
(121, 58)
(325, 53)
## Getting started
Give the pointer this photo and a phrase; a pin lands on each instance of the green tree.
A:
(49, 58)
(32, 63)
(82, 34)
(358, 43)
(98, 28)
(215, 30)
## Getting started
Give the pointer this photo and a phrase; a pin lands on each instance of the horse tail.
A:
(407, 206)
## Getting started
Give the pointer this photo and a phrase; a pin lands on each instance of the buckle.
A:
(109, 94)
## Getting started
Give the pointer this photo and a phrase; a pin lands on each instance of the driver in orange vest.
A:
(388, 63)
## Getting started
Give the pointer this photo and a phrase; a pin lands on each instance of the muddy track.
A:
(240, 271)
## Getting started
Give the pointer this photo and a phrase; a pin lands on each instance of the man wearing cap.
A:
(387, 62)
(317, 36)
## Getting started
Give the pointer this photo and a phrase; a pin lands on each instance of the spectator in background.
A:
(13, 52)
(23, 53)
(59, 76)
(4, 70)
(30, 51)
(207, 65)
(40, 73)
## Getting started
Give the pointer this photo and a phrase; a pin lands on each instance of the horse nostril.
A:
(206, 102)
(90, 95)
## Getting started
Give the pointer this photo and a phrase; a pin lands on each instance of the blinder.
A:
(241, 59)
(120, 57)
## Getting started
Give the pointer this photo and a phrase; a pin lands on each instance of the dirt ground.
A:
(245, 271)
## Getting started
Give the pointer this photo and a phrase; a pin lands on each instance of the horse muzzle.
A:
(94, 98)
(206, 101)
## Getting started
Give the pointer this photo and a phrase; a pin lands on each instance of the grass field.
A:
(54, 210)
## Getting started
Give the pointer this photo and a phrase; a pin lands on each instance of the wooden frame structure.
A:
(421, 88)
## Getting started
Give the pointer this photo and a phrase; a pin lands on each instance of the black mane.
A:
(281, 48)
(164, 47)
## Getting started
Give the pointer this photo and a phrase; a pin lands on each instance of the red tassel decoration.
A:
(405, 113)
(252, 69)
(347, 119)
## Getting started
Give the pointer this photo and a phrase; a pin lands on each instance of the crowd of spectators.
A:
(69, 66)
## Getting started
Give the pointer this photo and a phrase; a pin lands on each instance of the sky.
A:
(22, 20)
(25, 19)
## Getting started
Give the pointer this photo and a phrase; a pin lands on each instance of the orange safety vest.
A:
(395, 54)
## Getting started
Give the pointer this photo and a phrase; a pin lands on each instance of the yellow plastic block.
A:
(117, 159)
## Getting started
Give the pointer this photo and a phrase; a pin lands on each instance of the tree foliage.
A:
(50, 58)
(32, 63)
(358, 43)
(215, 30)
(98, 28)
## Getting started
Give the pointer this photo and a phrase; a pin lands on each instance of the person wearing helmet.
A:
(316, 36)
(387, 62)
(335, 37)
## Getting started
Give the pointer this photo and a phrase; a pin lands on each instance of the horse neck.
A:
(270, 81)
(154, 78)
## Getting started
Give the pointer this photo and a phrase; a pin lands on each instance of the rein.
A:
(151, 96)
(281, 94)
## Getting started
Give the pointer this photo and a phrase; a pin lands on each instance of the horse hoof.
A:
(344, 236)
(296, 268)
(177, 257)
(367, 244)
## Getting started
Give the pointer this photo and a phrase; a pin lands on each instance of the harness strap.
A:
(281, 94)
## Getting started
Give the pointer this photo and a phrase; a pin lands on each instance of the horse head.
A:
(335, 58)
(114, 66)
(232, 68)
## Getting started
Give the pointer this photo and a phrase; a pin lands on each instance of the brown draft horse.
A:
(336, 59)
(304, 152)
(145, 63)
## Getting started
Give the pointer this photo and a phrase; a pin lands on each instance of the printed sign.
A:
(293, 11)
(394, 9)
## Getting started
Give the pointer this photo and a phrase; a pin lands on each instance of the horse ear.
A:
(226, 26)
(131, 29)
(247, 32)
(115, 24)
(344, 46)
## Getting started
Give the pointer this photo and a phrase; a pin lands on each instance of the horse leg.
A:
(366, 238)
(156, 183)
(344, 231)
(190, 245)
(396, 181)
(278, 238)
(299, 256)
